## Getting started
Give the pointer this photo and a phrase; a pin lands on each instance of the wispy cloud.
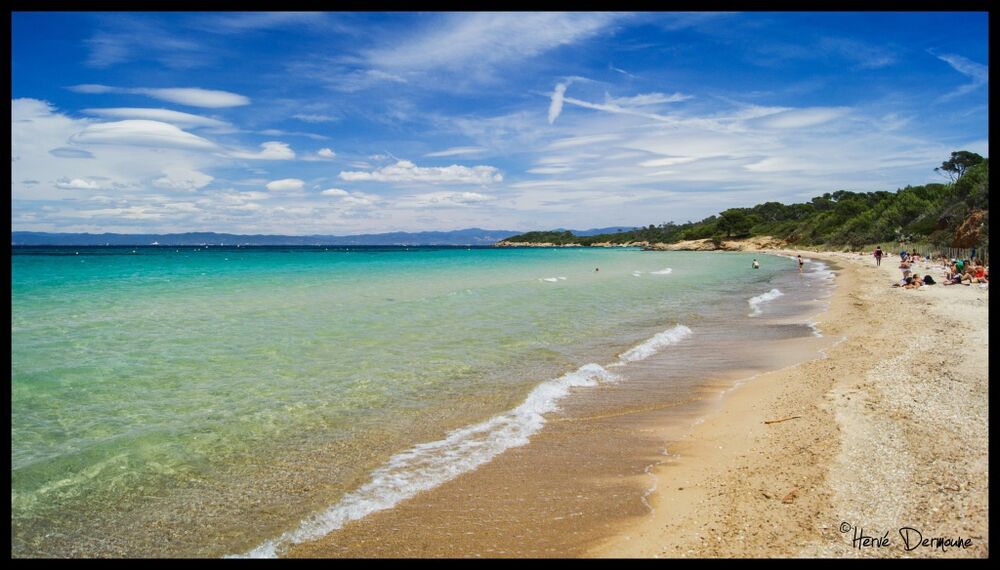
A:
(977, 72)
(192, 96)
(457, 151)
(556, 102)
(865, 55)
(138, 132)
(163, 115)
(647, 99)
(436, 199)
(474, 45)
(314, 118)
(799, 118)
(406, 171)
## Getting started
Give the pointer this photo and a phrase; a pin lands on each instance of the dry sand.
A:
(892, 433)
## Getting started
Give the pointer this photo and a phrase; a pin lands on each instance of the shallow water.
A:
(202, 402)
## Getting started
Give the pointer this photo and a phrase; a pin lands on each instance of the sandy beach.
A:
(889, 432)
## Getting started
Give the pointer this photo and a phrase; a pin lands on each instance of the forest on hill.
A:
(953, 214)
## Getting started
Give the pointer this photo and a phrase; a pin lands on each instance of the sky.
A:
(346, 123)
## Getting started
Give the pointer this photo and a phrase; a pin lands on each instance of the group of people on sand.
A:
(966, 272)
(956, 271)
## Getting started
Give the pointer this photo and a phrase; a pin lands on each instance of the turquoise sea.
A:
(208, 401)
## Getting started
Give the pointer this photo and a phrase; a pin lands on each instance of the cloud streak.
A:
(191, 96)
(978, 73)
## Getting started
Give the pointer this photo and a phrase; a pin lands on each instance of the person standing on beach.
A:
(878, 256)
(801, 262)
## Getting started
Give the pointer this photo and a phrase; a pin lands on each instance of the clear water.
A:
(198, 401)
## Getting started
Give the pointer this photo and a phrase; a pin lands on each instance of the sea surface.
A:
(213, 401)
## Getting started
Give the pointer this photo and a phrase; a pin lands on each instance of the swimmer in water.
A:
(756, 264)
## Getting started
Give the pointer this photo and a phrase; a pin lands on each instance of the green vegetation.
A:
(955, 214)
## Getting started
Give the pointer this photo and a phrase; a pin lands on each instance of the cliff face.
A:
(969, 233)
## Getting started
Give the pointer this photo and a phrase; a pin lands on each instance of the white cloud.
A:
(406, 171)
(192, 96)
(163, 115)
(285, 184)
(326, 153)
(335, 192)
(78, 184)
(271, 150)
(138, 132)
(182, 179)
(556, 102)
(125, 158)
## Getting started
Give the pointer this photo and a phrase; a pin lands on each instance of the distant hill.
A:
(471, 236)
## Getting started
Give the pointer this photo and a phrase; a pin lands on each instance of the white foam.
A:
(550, 279)
(654, 344)
(755, 302)
(428, 465)
(666, 271)
(636, 273)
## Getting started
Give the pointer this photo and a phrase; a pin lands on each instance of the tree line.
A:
(932, 213)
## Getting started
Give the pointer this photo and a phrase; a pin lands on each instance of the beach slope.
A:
(885, 438)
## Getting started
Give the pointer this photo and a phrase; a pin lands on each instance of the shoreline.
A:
(580, 478)
(878, 436)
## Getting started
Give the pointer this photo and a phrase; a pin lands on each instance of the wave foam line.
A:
(654, 344)
(666, 271)
(755, 302)
(428, 465)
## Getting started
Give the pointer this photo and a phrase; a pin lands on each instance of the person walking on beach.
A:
(801, 262)
(756, 264)
(878, 256)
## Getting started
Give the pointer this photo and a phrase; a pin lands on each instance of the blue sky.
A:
(340, 123)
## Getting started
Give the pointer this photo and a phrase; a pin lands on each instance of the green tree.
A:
(734, 222)
(959, 162)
